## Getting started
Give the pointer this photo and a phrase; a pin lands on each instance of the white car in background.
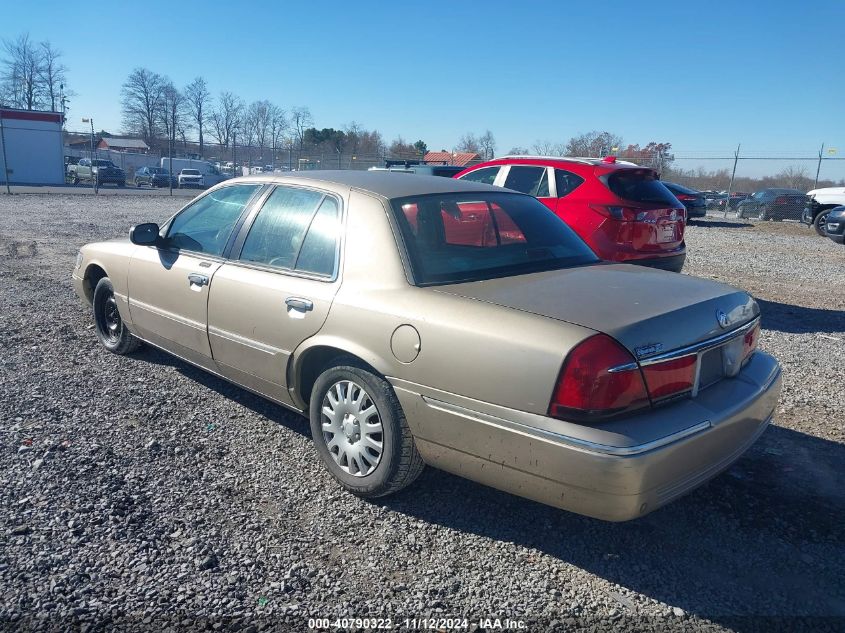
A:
(191, 178)
(821, 203)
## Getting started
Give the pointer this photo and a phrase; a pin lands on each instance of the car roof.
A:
(387, 184)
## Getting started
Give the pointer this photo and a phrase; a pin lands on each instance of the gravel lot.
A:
(141, 491)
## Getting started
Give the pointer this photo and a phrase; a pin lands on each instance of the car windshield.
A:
(640, 185)
(453, 238)
(676, 188)
(158, 170)
(190, 172)
(103, 163)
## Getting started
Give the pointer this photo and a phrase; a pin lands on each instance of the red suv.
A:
(621, 210)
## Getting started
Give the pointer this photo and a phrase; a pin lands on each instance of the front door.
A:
(277, 291)
(169, 283)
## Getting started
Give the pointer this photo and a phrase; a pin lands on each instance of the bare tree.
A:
(22, 72)
(259, 116)
(518, 151)
(468, 143)
(593, 144)
(795, 177)
(142, 96)
(198, 102)
(226, 118)
(172, 112)
(487, 145)
(547, 148)
(53, 75)
(300, 120)
(278, 128)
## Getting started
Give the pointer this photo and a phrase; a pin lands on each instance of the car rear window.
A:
(452, 238)
(639, 185)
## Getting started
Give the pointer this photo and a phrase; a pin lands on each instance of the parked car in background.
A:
(190, 178)
(819, 203)
(835, 224)
(732, 203)
(154, 177)
(624, 212)
(210, 174)
(448, 171)
(693, 200)
(98, 170)
(460, 325)
(773, 204)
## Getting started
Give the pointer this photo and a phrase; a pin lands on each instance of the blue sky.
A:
(703, 76)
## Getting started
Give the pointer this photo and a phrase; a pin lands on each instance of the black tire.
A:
(400, 463)
(819, 221)
(763, 214)
(109, 326)
(121, 184)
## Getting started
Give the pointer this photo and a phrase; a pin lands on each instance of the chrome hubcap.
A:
(352, 428)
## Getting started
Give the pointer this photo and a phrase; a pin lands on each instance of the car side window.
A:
(276, 235)
(566, 182)
(319, 248)
(206, 225)
(485, 175)
(530, 180)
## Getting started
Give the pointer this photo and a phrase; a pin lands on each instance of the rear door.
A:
(276, 289)
(531, 179)
(169, 284)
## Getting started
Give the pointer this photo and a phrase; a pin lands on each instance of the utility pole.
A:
(5, 164)
(819, 167)
(731, 184)
(94, 182)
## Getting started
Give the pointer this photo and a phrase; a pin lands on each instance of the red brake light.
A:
(684, 196)
(599, 378)
(781, 200)
(671, 377)
(609, 159)
(625, 214)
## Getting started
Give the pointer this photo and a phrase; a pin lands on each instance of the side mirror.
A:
(144, 234)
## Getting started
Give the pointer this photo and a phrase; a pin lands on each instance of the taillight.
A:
(625, 214)
(684, 196)
(781, 200)
(599, 378)
(750, 341)
(671, 377)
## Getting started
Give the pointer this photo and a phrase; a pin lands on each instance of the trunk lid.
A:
(649, 311)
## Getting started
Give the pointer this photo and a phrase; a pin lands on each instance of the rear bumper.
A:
(605, 473)
(673, 263)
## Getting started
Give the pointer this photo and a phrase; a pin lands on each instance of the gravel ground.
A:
(139, 491)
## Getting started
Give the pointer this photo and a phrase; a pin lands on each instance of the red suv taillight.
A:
(684, 196)
(750, 341)
(625, 214)
(599, 378)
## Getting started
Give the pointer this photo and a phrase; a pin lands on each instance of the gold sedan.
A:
(422, 320)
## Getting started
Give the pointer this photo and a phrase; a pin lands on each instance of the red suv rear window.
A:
(639, 185)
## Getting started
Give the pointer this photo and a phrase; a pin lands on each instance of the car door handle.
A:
(303, 305)
(197, 279)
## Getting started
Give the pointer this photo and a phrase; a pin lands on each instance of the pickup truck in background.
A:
(96, 170)
(819, 205)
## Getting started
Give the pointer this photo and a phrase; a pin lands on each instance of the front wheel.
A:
(764, 214)
(111, 331)
(360, 431)
(819, 221)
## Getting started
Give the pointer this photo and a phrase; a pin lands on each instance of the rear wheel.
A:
(111, 331)
(819, 221)
(360, 431)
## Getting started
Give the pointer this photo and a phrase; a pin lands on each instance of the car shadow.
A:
(719, 224)
(781, 500)
(258, 404)
(787, 317)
